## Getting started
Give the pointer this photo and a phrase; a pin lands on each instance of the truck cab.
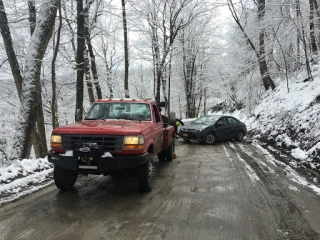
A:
(116, 135)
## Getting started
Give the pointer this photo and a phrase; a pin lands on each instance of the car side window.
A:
(232, 121)
(222, 122)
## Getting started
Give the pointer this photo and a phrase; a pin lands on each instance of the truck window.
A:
(120, 110)
(156, 114)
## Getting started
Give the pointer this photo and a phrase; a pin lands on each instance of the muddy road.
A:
(228, 190)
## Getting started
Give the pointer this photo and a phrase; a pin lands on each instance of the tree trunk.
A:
(35, 136)
(80, 61)
(32, 15)
(304, 42)
(90, 49)
(266, 79)
(88, 78)
(317, 21)
(311, 25)
(36, 51)
(38, 131)
(7, 40)
(42, 141)
(54, 105)
(126, 51)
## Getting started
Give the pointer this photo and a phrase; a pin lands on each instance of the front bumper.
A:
(194, 135)
(98, 165)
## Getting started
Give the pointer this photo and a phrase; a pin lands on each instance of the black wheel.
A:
(240, 136)
(161, 157)
(169, 152)
(63, 178)
(210, 138)
(186, 140)
(146, 174)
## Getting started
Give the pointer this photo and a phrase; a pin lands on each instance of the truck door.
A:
(158, 129)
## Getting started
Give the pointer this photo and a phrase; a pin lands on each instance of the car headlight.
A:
(133, 143)
(56, 141)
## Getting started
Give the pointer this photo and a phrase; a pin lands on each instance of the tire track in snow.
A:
(277, 197)
(228, 155)
(249, 171)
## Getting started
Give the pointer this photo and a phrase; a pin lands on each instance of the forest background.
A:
(198, 56)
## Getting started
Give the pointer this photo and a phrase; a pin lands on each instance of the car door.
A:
(222, 129)
(233, 127)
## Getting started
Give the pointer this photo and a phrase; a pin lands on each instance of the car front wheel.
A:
(210, 138)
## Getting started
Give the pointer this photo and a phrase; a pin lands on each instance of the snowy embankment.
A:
(24, 177)
(289, 120)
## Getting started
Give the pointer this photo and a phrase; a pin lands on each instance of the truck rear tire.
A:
(169, 152)
(63, 178)
(146, 173)
(161, 156)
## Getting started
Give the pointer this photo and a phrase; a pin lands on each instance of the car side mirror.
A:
(218, 124)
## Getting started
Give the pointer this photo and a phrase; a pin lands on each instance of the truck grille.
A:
(109, 143)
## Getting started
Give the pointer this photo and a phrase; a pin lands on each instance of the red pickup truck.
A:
(116, 135)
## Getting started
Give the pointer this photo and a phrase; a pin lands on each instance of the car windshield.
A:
(206, 120)
(119, 110)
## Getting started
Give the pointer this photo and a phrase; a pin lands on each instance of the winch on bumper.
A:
(99, 164)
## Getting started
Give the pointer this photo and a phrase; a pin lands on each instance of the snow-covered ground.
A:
(285, 120)
(24, 177)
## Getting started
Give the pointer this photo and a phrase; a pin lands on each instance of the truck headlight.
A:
(56, 141)
(133, 143)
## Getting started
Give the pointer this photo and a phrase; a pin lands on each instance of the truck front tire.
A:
(63, 178)
(146, 173)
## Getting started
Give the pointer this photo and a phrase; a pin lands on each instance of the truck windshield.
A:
(127, 111)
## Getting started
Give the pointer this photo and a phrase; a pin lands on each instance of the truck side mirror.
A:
(161, 104)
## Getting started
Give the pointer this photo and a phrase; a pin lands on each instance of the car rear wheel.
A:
(240, 136)
(146, 173)
(64, 178)
(210, 138)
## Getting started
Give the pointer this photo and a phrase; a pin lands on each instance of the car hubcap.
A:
(210, 139)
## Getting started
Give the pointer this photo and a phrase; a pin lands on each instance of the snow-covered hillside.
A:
(289, 120)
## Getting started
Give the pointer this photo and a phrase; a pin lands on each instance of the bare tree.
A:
(302, 35)
(32, 15)
(126, 51)
(260, 52)
(36, 51)
(80, 61)
(54, 105)
(90, 48)
(311, 28)
(7, 39)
